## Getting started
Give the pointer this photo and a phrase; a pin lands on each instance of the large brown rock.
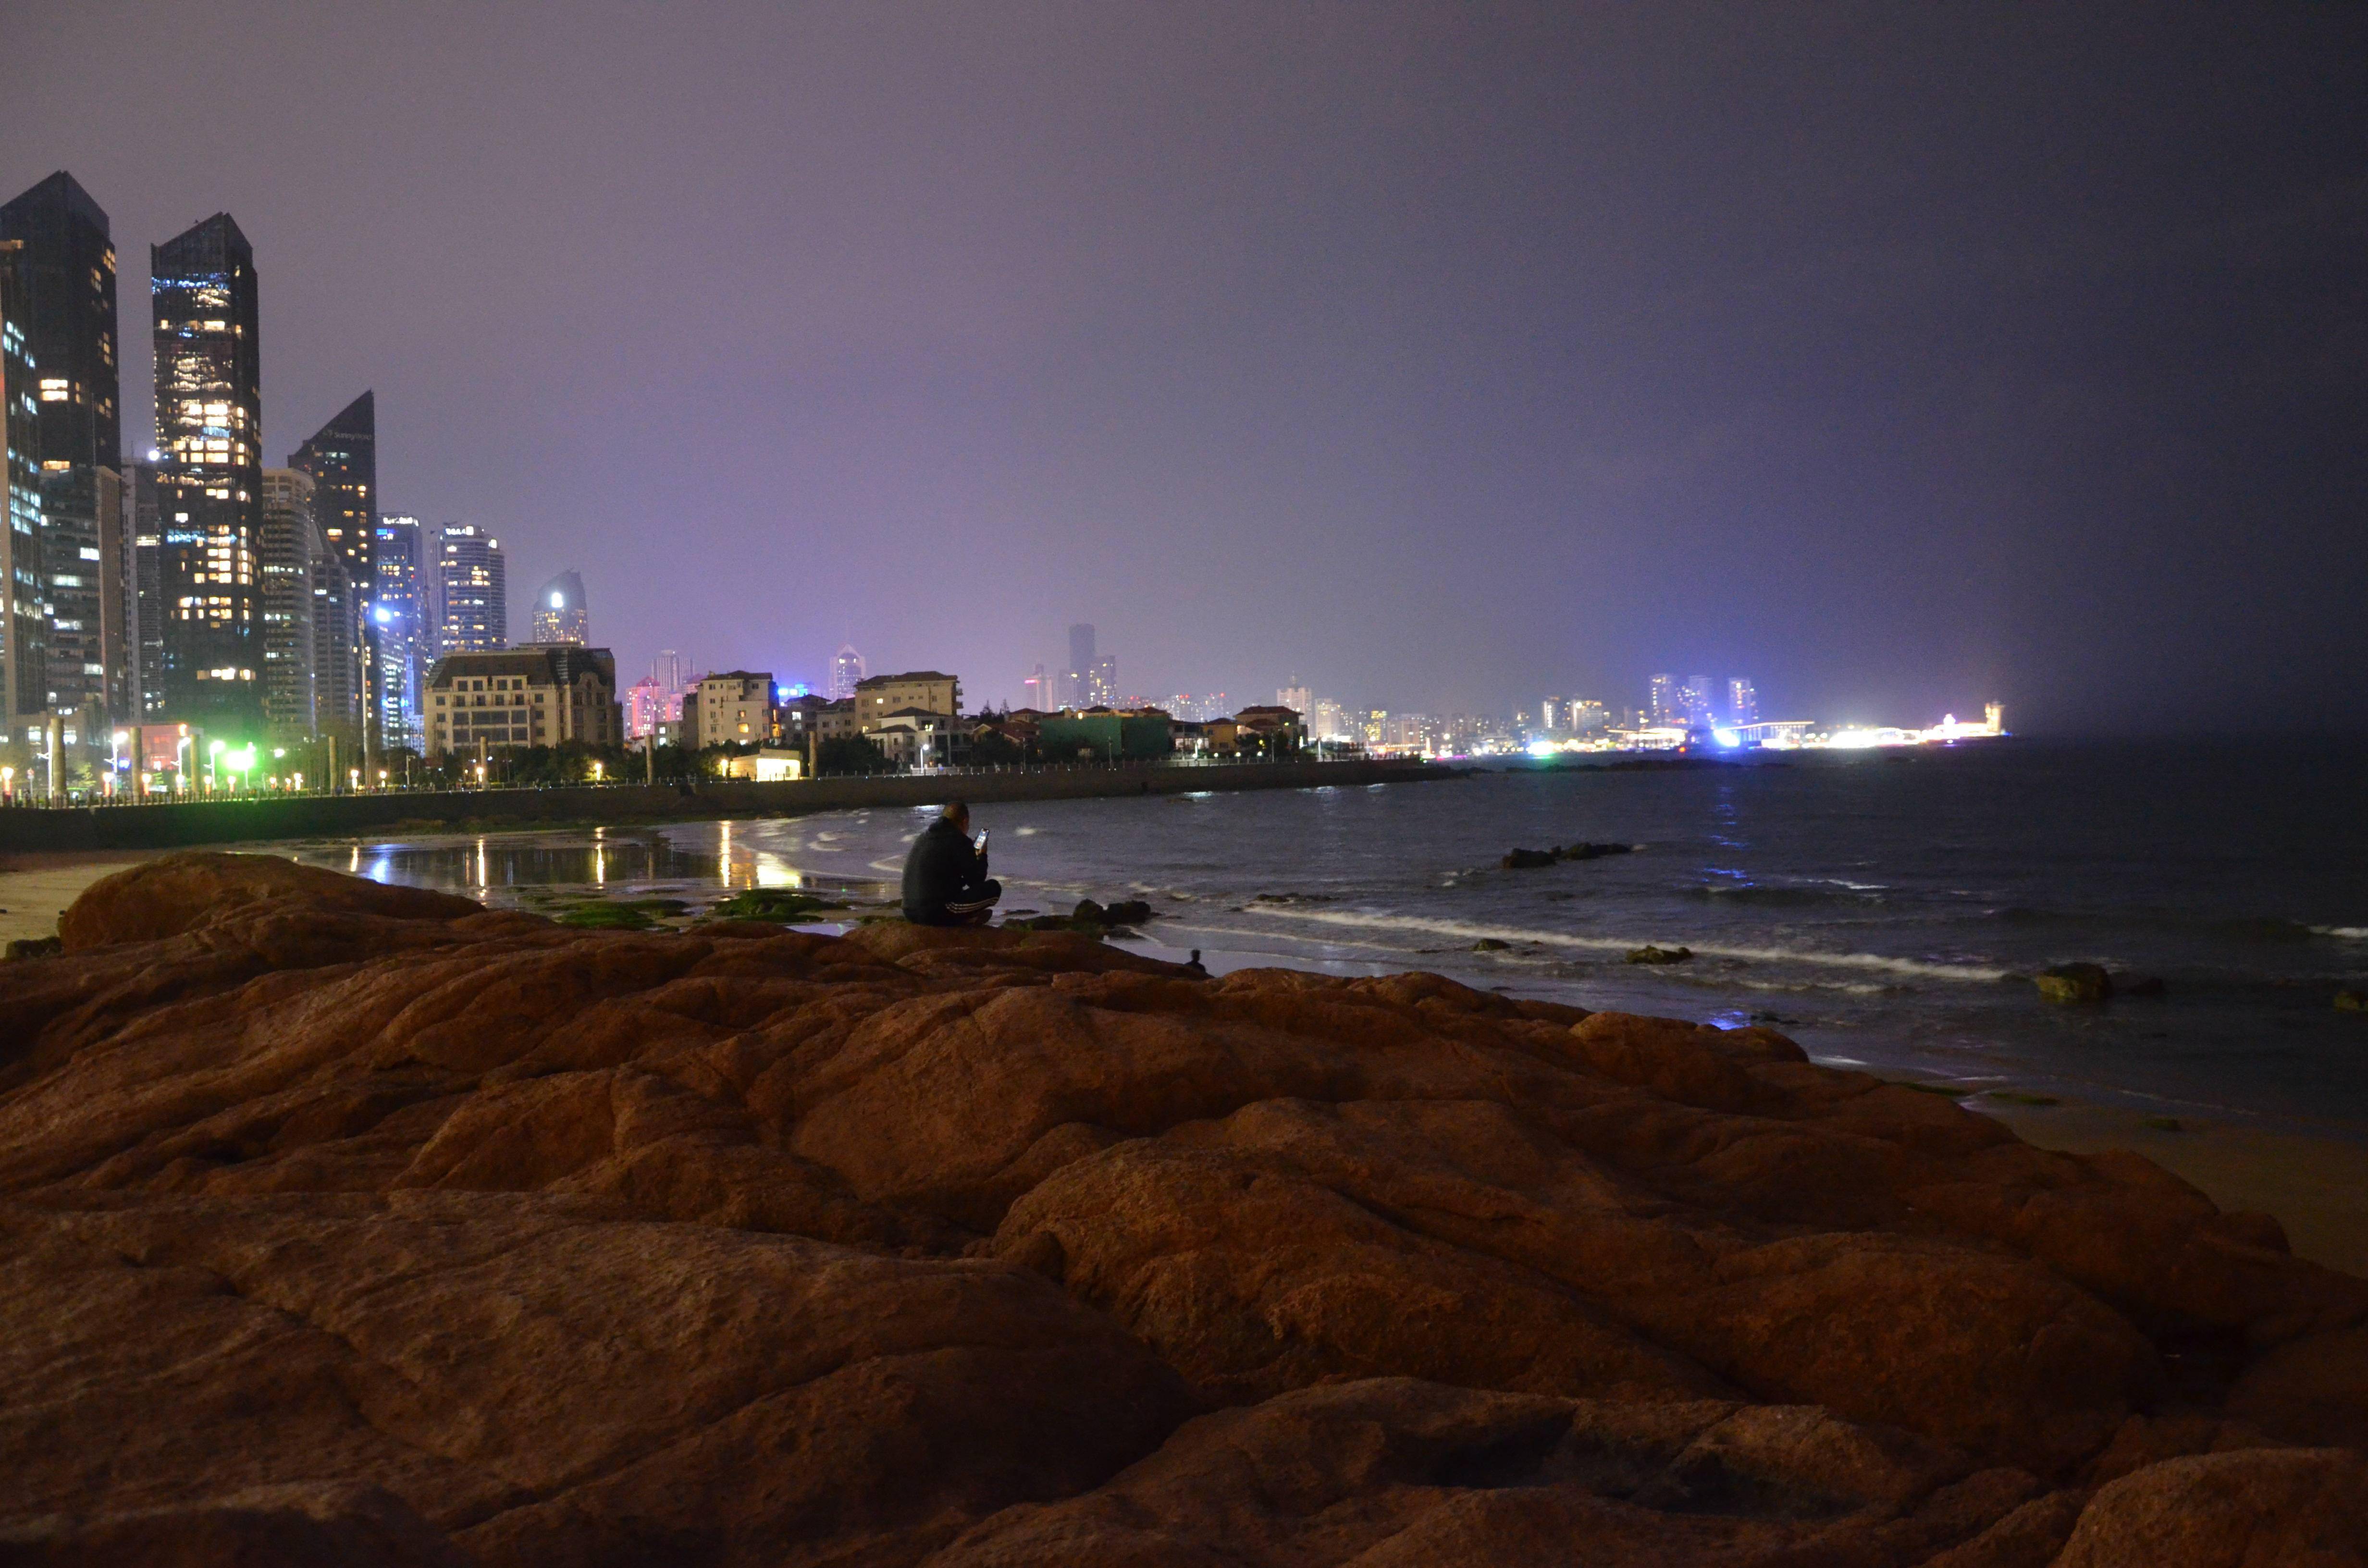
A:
(2254, 1508)
(338, 1219)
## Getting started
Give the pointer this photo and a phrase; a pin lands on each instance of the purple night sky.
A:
(1443, 355)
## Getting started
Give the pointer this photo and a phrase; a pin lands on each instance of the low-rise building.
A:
(542, 696)
(734, 707)
(767, 765)
(1268, 732)
(882, 696)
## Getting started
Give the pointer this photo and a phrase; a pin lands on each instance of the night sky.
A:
(1444, 355)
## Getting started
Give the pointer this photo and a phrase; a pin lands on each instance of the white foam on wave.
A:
(1473, 931)
(2349, 933)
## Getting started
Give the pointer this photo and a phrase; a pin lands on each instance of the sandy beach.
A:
(2317, 1187)
(35, 889)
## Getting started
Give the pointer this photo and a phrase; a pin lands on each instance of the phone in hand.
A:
(982, 841)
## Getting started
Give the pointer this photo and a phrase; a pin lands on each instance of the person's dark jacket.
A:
(944, 868)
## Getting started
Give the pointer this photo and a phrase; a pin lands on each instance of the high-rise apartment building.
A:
(289, 552)
(340, 652)
(472, 607)
(1702, 700)
(398, 627)
(1102, 682)
(1035, 691)
(1296, 697)
(845, 672)
(64, 267)
(1742, 701)
(209, 430)
(559, 613)
(1665, 705)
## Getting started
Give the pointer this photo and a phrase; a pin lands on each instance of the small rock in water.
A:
(2074, 985)
(2352, 1001)
(1526, 860)
(34, 948)
(1489, 944)
(1591, 851)
(1650, 954)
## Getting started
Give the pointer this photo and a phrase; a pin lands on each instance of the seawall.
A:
(310, 816)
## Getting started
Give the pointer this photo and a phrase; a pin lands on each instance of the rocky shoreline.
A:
(361, 1224)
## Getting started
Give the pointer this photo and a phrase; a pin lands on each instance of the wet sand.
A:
(2317, 1187)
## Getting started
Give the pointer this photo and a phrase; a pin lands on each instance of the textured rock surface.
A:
(346, 1223)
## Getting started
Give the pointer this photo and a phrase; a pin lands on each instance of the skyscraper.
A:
(1702, 700)
(1742, 701)
(1034, 691)
(1101, 681)
(398, 627)
(1666, 704)
(845, 672)
(24, 619)
(289, 551)
(65, 279)
(209, 426)
(1296, 697)
(559, 612)
(148, 616)
(342, 458)
(1076, 679)
(472, 607)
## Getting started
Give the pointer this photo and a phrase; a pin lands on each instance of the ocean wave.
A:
(1760, 893)
(2347, 933)
(1919, 969)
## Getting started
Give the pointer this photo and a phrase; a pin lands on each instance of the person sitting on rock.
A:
(945, 877)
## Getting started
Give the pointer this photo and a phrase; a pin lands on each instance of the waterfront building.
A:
(342, 458)
(733, 708)
(398, 628)
(64, 262)
(1270, 733)
(845, 672)
(209, 433)
(929, 690)
(341, 650)
(1702, 700)
(471, 591)
(149, 614)
(1331, 722)
(289, 552)
(1665, 704)
(24, 617)
(539, 695)
(559, 613)
(1742, 701)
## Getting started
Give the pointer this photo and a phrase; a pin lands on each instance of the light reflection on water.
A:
(696, 861)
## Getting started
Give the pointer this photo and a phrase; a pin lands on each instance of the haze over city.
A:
(1436, 356)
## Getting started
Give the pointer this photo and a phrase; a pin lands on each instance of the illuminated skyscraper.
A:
(1702, 700)
(65, 278)
(472, 607)
(1296, 697)
(398, 626)
(342, 458)
(559, 613)
(148, 616)
(845, 672)
(24, 625)
(289, 551)
(1742, 701)
(209, 428)
(1075, 681)
(1666, 704)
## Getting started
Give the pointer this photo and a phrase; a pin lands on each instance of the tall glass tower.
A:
(65, 276)
(209, 427)
(342, 458)
(398, 629)
(472, 592)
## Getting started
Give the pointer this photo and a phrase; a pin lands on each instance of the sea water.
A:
(1885, 909)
